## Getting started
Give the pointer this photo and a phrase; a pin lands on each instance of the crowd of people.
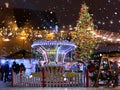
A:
(5, 70)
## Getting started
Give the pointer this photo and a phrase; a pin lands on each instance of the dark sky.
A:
(106, 13)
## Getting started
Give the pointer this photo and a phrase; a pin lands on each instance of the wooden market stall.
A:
(107, 73)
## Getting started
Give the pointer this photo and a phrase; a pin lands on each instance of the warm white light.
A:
(70, 28)
(16, 28)
(115, 13)
(7, 5)
(93, 32)
(30, 76)
(99, 22)
(10, 34)
(119, 21)
(117, 39)
(89, 28)
(51, 12)
(70, 25)
(109, 39)
(75, 28)
(22, 37)
(62, 31)
(39, 36)
(99, 36)
(100, 54)
(63, 26)
(103, 23)
(111, 22)
(6, 39)
(104, 37)
(65, 79)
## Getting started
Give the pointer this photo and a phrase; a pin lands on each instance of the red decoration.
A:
(86, 22)
(92, 20)
(83, 11)
(45, 63)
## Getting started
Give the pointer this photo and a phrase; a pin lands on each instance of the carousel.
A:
(53, 51)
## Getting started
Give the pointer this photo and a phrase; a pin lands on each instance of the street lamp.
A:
(23, 36)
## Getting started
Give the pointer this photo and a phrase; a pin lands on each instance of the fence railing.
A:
(48, 77)
(119, 80)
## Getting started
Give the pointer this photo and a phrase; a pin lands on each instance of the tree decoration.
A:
(85, 34)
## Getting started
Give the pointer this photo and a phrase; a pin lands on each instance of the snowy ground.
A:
(6, 86)
(56, 88)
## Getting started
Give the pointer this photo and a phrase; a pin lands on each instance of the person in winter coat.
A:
(5, 71)
(22, 67)
(16, 67)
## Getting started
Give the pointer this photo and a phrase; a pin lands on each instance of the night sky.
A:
(106, 13)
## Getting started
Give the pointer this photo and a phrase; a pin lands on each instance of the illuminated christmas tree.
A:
(85, 34)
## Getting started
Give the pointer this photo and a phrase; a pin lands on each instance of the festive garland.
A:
(70, 75)
(35, 74)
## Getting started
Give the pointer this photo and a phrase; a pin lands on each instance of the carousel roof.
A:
(53, 42)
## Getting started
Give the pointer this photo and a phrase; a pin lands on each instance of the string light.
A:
(108, 36)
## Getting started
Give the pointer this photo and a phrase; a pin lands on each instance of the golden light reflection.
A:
(23, 38)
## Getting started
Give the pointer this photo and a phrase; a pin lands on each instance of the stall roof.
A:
(20, 54)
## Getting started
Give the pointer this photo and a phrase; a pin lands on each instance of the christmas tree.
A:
(85, 34)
